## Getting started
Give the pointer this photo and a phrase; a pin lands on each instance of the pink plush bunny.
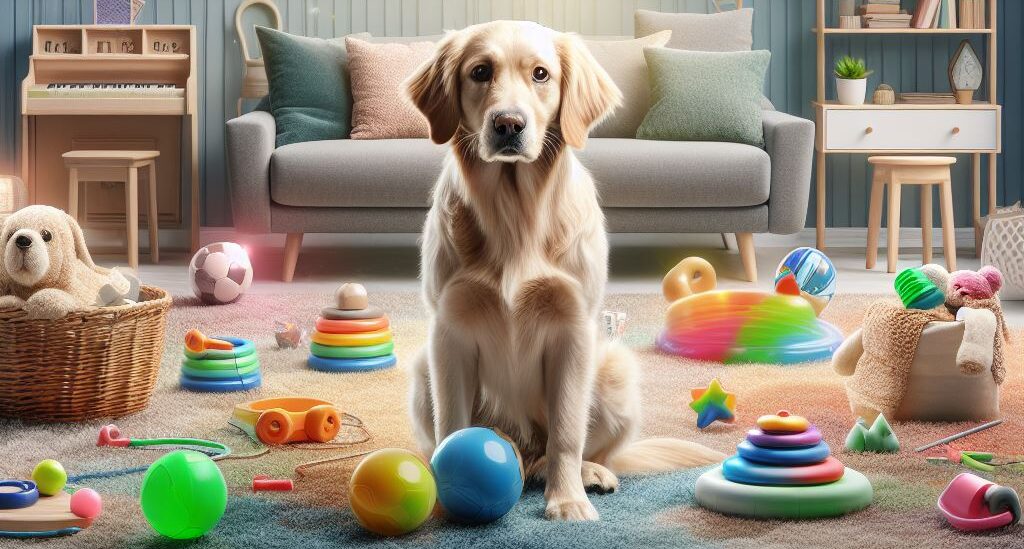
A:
(972, 285)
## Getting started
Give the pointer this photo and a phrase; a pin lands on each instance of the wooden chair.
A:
(254, 81)
(84, 166)
(924, 171)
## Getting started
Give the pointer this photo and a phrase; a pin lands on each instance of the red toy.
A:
(973, 503)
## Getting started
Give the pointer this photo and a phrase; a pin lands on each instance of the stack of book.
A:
(926, 98)
(971, 14)
(939, 14)
(884, 14)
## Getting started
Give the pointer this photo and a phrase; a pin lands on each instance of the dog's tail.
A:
(658, 455)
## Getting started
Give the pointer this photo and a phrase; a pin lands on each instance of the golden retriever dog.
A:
(46, 268)
(514, 265)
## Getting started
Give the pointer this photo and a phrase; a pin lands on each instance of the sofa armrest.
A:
(250, 143)
(789, 141)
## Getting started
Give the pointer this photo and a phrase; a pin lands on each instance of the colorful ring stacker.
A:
(351, 364)
(329, 326)
(810, 437)
(18, 494)
(243, 347)
(742, 471)
(347, 314)
(198, 373)
(221, 363)
(221, 385)
(352, 340)
(783, 456)
(369, 351)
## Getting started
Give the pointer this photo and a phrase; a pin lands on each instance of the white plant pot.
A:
(851, 92)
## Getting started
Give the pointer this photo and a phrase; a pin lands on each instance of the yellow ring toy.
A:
(352, 340)
(690, 276)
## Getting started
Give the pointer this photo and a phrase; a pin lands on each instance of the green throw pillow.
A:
(705, 96)
(310, 96)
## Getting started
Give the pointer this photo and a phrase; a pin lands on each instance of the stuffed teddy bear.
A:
(877, 358)
(46, 269)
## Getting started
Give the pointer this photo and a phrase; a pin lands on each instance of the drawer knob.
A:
(956, 130)
(868, 129)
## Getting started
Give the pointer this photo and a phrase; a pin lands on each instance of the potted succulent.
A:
(851, 80)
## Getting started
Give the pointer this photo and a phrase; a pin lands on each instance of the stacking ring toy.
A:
(352, 340)
(231, 364)
(198, 373)
(786, 456)
(810, 437)
(783, 423)
(25, 494)
(691, 275)
(221, 385)
(737, 469)
(242, 348)
(370, 312)
(351, 364)
(328, 326)
(850, 493)
(369, 351)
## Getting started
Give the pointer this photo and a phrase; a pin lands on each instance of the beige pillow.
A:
(726, 31)
(625, 63)
(379, 107)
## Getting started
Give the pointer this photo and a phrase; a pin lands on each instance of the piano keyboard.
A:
(112, 90)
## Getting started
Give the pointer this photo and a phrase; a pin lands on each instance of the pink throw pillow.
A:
(380, 109)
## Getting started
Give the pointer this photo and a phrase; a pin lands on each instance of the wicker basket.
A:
(94, 364)
(1003, 248)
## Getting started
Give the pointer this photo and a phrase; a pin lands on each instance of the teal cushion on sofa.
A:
(310, 96)
(705, 96)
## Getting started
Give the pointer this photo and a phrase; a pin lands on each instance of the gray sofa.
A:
(361, 186)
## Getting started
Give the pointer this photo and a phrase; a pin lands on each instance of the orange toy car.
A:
(288, 419)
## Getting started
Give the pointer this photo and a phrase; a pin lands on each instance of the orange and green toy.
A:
(288, 419)
(197, 342)
(392, 492)
(712, 403)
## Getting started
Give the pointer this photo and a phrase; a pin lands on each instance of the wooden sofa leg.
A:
(292, 244)
(745, 241)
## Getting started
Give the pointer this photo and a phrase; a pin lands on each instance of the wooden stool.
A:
(123, 166)
(911, 170)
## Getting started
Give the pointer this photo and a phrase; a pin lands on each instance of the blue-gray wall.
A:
(783, 26)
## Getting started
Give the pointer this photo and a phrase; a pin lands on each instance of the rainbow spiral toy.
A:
(738, 326)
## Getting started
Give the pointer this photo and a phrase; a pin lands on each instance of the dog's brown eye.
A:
(540, 74)
(46, 235)
(481, 73)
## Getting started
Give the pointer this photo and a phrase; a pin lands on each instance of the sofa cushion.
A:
(726, 31)
(625, 63)
(669, 174)
(380, 109)
(356, 173)
(630, 173)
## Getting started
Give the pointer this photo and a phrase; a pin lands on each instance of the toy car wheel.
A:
(274, 427)
(322, 423)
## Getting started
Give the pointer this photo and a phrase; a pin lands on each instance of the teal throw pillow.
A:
(705, 96)
(310, 96)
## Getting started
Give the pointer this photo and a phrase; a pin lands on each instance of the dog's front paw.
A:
(48, 304)
(11, 302)
(571, 510)
(598, 478)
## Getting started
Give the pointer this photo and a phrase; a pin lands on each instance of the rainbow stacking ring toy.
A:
(222, 370)
(810, 437)
(742, 326)
(353, 336)
(786, 482)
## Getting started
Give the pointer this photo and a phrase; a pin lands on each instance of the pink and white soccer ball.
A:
(220, 273)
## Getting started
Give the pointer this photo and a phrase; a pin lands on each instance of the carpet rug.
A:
(652, 511)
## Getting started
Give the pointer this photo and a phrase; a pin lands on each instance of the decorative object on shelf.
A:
(883, 95)
(965, 73)
(849, 21)
(927, 98)
(724, 5)
(116, 12)
(13, 195)
(851, 80)
(847, 8)
(254, 79)
(1003, 248)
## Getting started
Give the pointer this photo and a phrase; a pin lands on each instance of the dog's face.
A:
(508, 84)
(39, 241)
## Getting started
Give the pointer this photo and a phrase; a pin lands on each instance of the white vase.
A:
(851, 91)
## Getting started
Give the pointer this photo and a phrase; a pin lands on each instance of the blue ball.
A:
(479, 475)
(813, 270)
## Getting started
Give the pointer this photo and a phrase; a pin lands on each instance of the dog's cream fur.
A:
(48, 279)
(514, 266)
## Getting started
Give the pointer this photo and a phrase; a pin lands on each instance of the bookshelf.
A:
(973, 129)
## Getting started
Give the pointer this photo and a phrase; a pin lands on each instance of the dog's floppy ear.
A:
(81, 251)
(588, 93)
(434, 88)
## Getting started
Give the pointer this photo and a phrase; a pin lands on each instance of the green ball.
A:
(49, 477)
(183, 495)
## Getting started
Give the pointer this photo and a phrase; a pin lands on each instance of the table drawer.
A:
(909, 129)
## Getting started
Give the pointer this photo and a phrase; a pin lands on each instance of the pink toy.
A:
(982, 284)
(263, 483)
(973, 503)
(86, 503)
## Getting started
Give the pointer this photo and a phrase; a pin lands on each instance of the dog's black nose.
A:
(23, 242)
(509, 123)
